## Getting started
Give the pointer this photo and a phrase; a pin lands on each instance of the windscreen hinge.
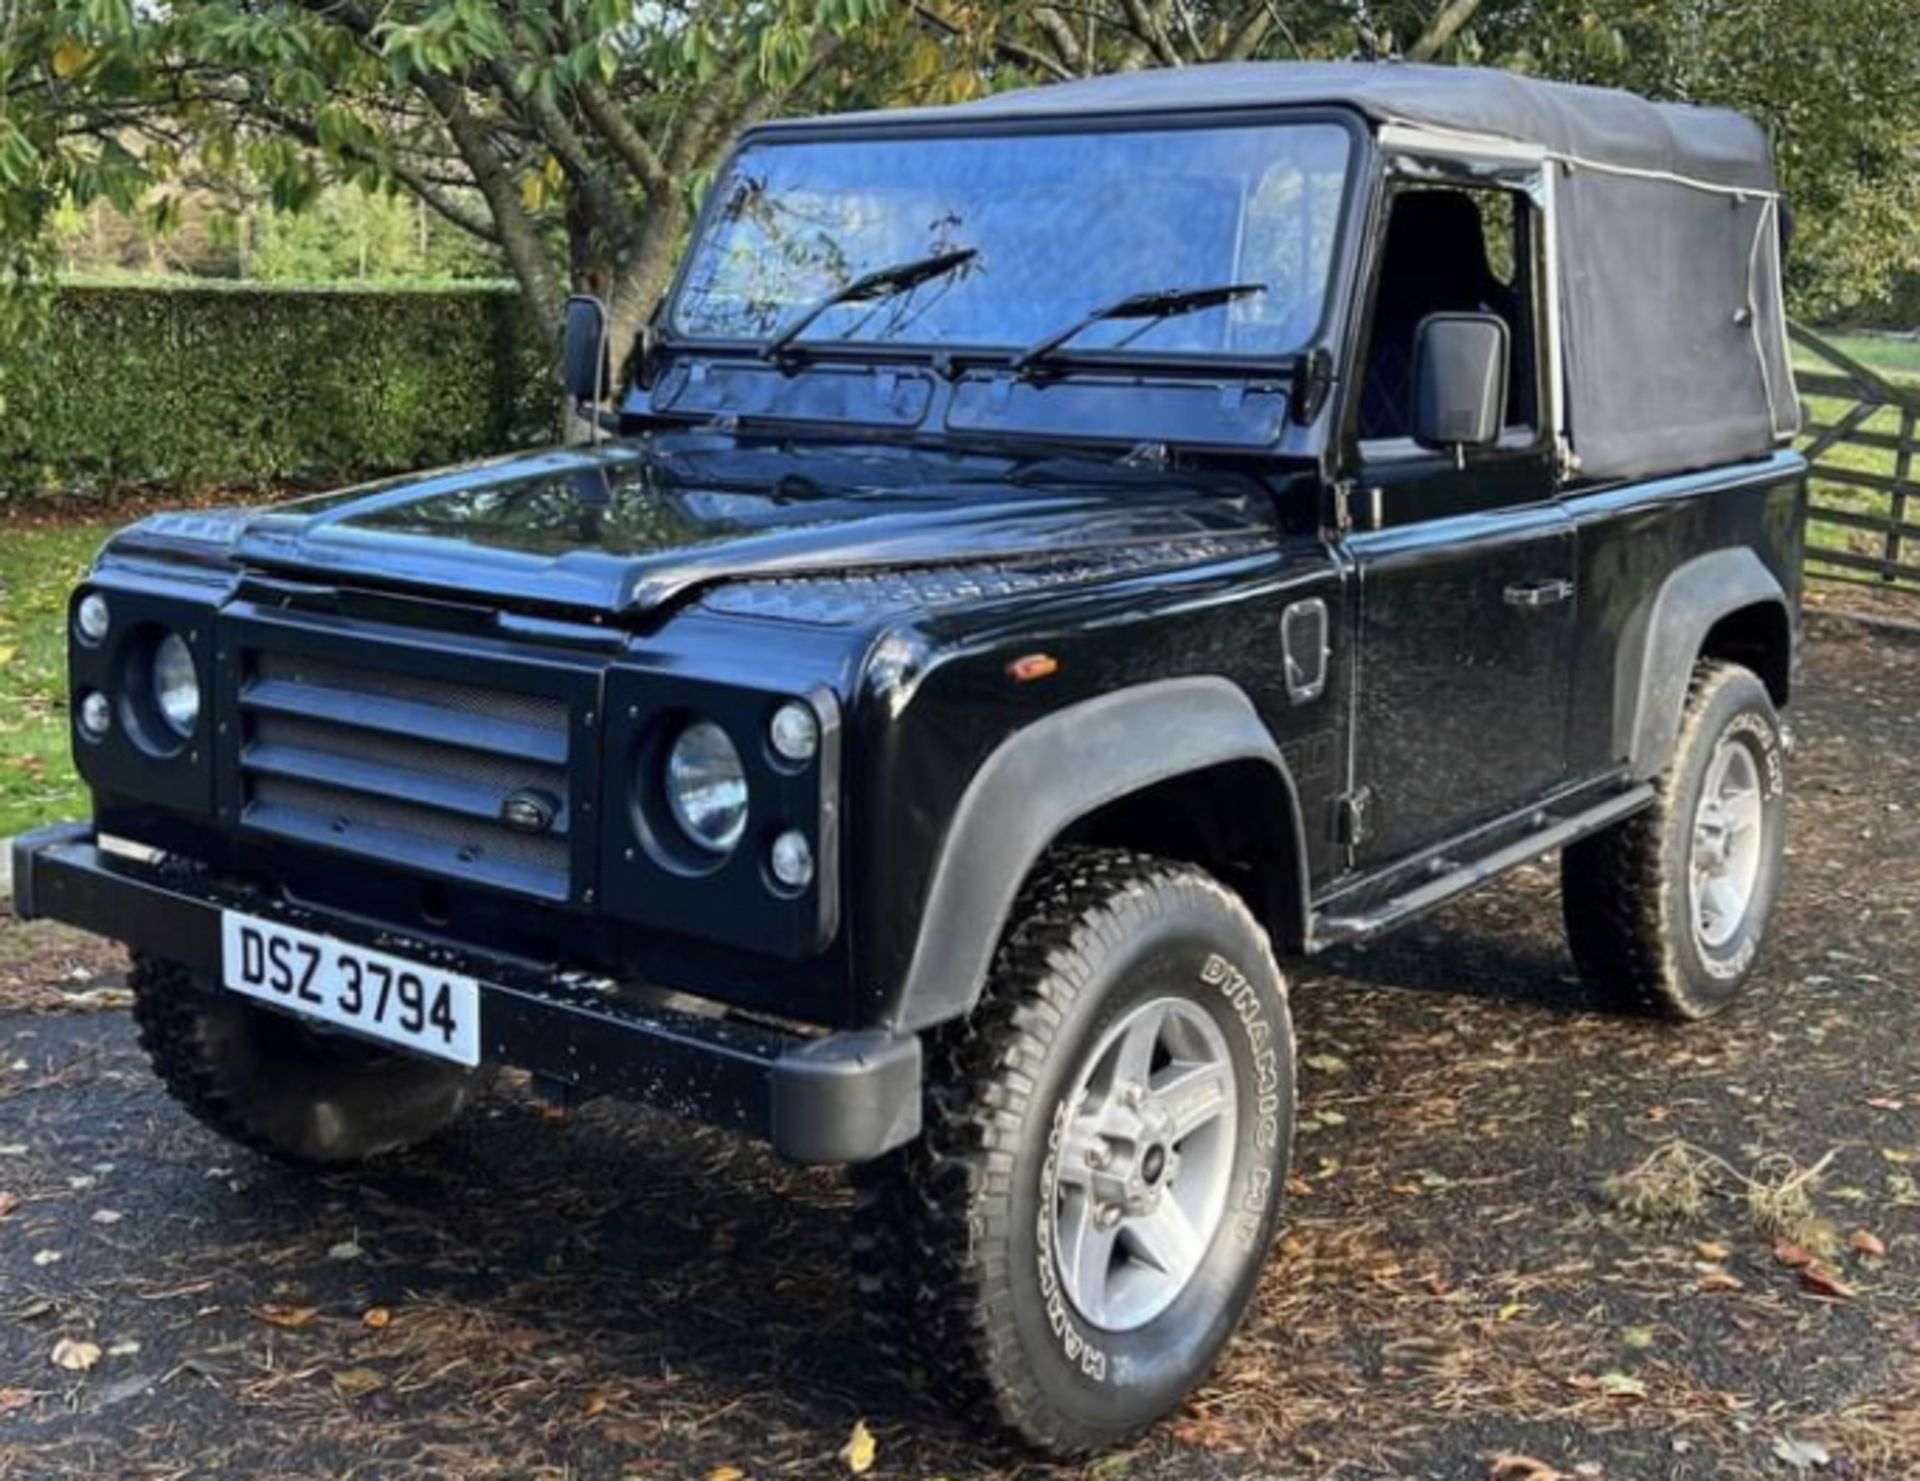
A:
(1312, 380)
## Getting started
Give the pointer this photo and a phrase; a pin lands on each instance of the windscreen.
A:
(1060, 225)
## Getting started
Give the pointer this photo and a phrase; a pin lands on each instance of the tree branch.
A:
(635, 152)
(1448, 24)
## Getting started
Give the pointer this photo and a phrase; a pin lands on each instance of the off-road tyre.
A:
(270, 1083)
(955, 1279)
(1626, 891)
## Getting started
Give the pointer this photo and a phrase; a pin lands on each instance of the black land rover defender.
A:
(1050, 561)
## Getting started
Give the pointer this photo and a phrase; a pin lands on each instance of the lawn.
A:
(1895, 355)
(38, 566)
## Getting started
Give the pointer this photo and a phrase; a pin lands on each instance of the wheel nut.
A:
(1097, 1155)
(1134, 1096)
(1108, 1216)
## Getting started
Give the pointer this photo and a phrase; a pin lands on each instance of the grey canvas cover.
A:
(1667, 242)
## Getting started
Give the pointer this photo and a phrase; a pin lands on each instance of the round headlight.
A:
(93, 617)
(176, 687)
(707, 787)
(795, 733)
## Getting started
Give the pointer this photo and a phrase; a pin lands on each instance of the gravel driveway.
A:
(1519, 1232)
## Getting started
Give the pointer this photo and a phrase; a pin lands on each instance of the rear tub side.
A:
(1669, 569)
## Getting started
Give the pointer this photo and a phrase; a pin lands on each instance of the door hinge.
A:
(1356, 508)
(1353, 818)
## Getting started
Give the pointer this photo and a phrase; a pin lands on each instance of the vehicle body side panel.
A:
(925, 734)
(1634, 540)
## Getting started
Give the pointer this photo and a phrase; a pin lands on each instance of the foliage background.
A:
(117, 386)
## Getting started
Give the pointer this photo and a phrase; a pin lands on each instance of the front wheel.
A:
(1074, 1239)
(1666, 912)
(272, 1083)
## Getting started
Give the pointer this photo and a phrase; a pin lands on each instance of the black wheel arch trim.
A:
(1665, 639)
(1046, 777)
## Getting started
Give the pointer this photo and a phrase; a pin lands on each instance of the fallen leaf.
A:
(1719, 1280)
(1886, 1103)
(7, 655)
(286, 1316)
(1866, 1242)
(1618, 1385)
(1792, 1255)
(726, 1473)
(1637, 1338)
(8, 1203)
(345, 1250)
(44, 1258)
(858, 1453)
(1823, 1283)
(1326, 1064)
(1298, 1187)
(15, 1398)
(596, 1404)
(376, 1317)
(1713, 1251)
(357, 1383)
(1511, 1310)
(75, 1357)
(126, 1347)
(107, 1216)
(1802, 1455)
(1522, 1468)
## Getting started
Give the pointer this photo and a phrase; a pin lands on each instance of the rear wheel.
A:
(1075, 1237)
(269, 1082)
(1667, 911)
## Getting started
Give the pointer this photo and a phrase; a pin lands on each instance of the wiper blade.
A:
(1168, 303)
(881, 283)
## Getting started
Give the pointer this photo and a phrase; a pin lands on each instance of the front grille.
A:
(406, 770)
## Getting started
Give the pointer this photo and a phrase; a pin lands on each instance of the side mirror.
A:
(583, 358)
(1460, 380)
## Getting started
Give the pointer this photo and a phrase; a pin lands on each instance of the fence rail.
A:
(1862, 439)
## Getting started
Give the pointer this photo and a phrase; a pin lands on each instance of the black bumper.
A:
(840, 1098)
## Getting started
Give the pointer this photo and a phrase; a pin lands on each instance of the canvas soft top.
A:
(1602, 126)
(1666, 234)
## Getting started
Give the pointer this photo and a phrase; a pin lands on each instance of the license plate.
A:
(384, 997)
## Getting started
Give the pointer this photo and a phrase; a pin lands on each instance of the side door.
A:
(1464, 565)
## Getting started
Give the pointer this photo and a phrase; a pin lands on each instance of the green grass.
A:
(1894, 356)
(38, 567)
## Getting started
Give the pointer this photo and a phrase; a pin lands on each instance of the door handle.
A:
(1531, 595)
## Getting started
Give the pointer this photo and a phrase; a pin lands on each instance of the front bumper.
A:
(839, 1098)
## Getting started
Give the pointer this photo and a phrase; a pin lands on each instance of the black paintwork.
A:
(890, 538)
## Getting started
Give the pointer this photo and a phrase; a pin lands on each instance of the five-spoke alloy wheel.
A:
(1074, 1238)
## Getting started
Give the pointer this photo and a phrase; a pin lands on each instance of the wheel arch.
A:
(1725, 604)
(1183, 767)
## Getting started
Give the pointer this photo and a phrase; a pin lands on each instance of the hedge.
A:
(115, 387)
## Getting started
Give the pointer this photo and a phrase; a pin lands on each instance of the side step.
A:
(1331, 930)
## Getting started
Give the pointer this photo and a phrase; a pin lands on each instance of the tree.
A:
(1837, 85)
(1048, 40)
(570, 135)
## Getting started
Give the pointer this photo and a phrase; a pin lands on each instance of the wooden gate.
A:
(1860, 438)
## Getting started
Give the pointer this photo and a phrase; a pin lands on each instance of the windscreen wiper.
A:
(1168, 303)
(881, 283)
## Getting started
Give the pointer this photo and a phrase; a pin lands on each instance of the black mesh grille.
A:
(410, 771)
